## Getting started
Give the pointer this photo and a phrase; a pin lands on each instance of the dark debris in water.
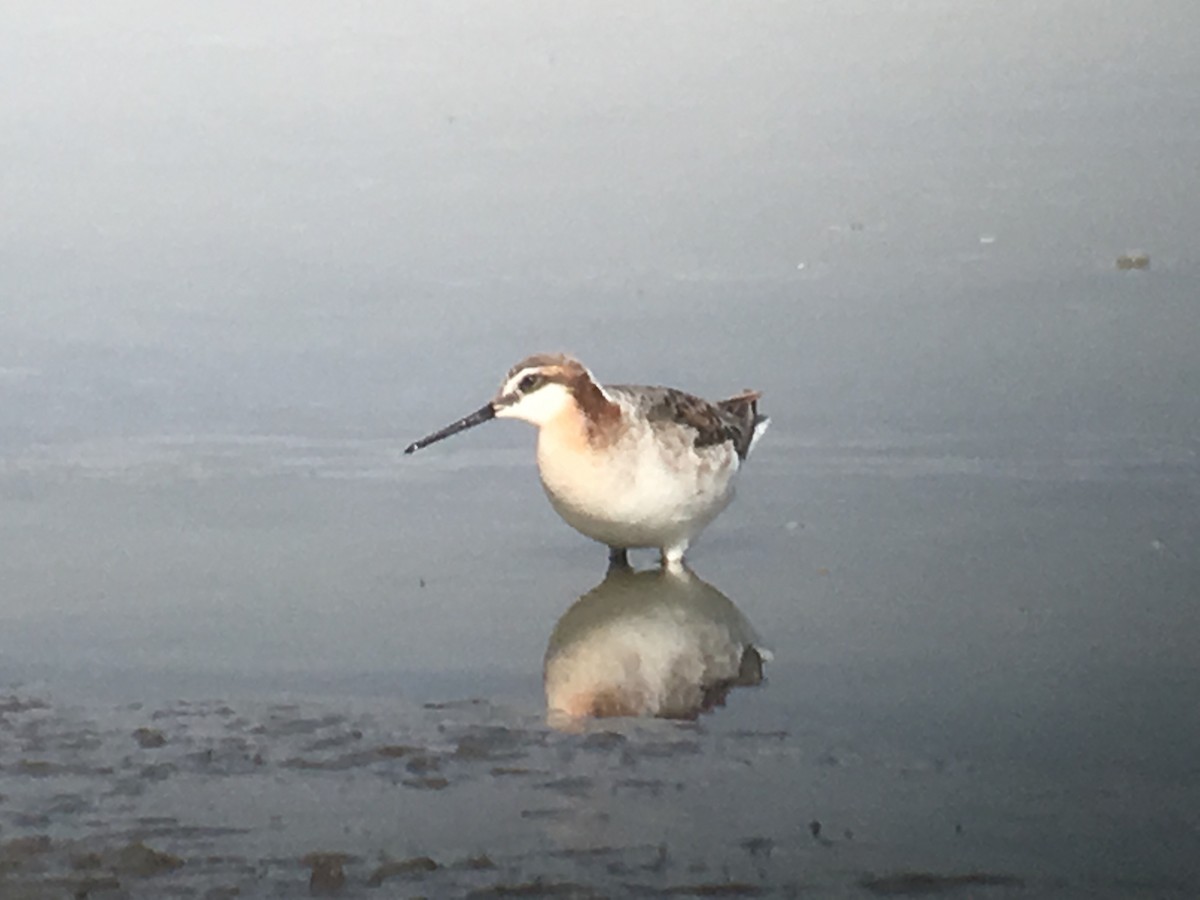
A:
(37, 866)
(1133, 261)
(707, 889)
(402, 868)
(18, 852)
(215, 800)
(139, 861)
(339, 763)
(12, 703)
(327, 874)
(576, 786)
(651, 786)
(917, 884)
(538, 888)
(494, 744)
(478, 862)
(149, 738)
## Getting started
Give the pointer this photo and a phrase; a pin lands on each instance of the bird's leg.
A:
(618, 558)
(672, 557)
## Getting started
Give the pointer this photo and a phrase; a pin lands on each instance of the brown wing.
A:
(730, 420)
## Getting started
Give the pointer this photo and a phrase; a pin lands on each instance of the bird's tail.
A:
(751, 425)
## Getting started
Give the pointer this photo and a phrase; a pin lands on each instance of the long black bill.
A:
(481, 415)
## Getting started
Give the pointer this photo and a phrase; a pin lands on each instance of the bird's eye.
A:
(528, 383)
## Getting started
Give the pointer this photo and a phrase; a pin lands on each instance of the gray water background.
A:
(248, 254)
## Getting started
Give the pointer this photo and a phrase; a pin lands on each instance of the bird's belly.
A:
(635, 502)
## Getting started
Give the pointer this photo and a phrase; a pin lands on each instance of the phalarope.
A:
(627, 465)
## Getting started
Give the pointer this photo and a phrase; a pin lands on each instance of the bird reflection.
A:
(653, 643)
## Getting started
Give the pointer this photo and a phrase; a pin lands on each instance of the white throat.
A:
(542, 406)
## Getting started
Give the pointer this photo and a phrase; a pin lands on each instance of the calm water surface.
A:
(246, 644)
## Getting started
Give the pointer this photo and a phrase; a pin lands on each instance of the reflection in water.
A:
(654, 643)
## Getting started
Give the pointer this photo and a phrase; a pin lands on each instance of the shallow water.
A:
(979, 669)
(248, 646)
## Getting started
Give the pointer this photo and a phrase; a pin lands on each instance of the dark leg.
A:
(618, 558)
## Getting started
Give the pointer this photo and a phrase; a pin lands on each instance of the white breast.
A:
(648, 489)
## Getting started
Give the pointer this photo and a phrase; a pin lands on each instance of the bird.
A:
(630, 466)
